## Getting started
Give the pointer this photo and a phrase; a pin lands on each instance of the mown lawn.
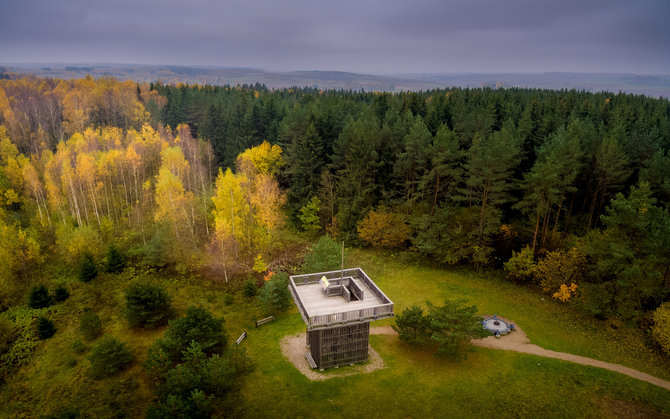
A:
(413, 384)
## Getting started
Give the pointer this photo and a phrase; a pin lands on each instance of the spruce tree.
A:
(306, 160)
(115, 262)
(61, 293)
(87, 269)
(39, 297)
(45, 328)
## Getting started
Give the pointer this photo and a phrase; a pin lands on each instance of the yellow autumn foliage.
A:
(262, 159)
(565, 292)
(383, 228)
(661, 328)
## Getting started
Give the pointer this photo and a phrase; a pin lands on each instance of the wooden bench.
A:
(241, 338)
(265, 320)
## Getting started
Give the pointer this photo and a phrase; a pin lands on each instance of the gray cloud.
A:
(379, 36)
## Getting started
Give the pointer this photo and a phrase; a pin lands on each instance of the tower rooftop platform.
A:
(344, 297)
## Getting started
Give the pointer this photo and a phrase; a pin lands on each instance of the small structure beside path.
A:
(497, 326)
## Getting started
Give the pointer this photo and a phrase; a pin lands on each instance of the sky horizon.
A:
(368, 37)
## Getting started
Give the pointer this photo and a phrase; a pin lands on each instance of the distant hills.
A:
(650, 85)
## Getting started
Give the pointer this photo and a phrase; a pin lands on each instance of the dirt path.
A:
(294, 348)
(518, 341)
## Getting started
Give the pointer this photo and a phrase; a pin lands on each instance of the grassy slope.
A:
(415, 384)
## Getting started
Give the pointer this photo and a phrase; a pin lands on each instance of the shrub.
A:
(228, 299)
(274, 295)
(560, 267)
(109, 356)
(64, 413)
(383, 228)
(259, 265)
(7, 334)
(115, 262)
(87, 268)
(90, 325)
(198, 325)
(73, 242)
(45, 328)
(250, 288)
(661, 328)
(78, 347)
(147, 305)
(309, 216)
(61, 293)
(412, 325)
(39, 297)
(325, 256)
(189, 389)
(521, 266)
(451, 326)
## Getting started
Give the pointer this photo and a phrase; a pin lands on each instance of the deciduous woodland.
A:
(565, 192)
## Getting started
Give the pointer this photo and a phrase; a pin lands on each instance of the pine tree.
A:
(445, 174)
(45, 328)
(39, 297)
(115, 261)
(489, 167)
(413, 160)
(87, 268)
(61, 293)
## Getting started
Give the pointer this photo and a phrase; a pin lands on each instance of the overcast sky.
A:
(369, 36)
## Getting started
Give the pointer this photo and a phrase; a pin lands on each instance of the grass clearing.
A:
(413, 384)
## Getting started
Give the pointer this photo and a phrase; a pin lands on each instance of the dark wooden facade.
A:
(337, 346)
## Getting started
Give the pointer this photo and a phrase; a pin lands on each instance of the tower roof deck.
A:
(321, 309)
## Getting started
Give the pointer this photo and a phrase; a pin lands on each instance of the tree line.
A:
(469, 176)
(524, 179)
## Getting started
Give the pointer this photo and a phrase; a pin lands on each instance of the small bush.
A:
(451, 326)
(309, 216)
(412, 325)
(147, 305)
(383, 228)
(275, 296)
(521, 266)
(87, 269)
(259, 265)
(78, 347)
(7, 334)
(90, 325)
(64, 413)
(45, 328)
(199, 326)
(661, 328)
(250, 288)
(190, 388)
(109, 356)
(61, 293)
(228, 299)
(39, 297)
(115, 262)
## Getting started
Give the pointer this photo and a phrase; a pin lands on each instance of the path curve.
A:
(517, 341)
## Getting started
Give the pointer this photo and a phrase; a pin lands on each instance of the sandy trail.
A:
(294, 348)
(518, 341)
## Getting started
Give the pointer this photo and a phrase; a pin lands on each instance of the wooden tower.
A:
(337, 307)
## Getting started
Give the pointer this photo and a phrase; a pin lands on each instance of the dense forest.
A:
(462, 176)
(567, 191)
(560, 187)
